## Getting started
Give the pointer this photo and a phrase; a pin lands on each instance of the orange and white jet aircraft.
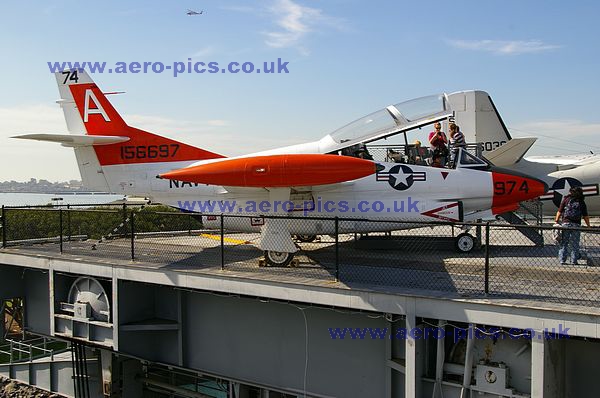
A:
(305, 179)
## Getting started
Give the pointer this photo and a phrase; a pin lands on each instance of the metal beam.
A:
(582, 321)
(410, 382)
(538, 347)
(439, 363)
(466, 385)
(115, 312)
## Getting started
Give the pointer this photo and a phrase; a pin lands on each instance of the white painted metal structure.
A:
(212, 324)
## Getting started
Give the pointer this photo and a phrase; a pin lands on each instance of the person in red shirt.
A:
(439, 144)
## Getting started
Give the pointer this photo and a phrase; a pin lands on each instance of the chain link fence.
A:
(497, 259)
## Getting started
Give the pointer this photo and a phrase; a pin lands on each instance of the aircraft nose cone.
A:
(511, 188)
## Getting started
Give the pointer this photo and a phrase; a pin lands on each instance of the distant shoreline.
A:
(16, 198)
(62, 192)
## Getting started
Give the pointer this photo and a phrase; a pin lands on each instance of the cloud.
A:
(203, 52)
(295, 22)
(504, 47)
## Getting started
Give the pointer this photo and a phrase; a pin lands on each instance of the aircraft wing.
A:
(224, 190)
(566, 160)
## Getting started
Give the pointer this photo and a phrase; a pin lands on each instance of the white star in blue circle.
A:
(401, 177)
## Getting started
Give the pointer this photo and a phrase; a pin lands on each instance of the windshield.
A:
(421, 107)
(467, 160)
(391, 118)
(379, 121)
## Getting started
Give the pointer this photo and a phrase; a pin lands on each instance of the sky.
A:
(539, 60)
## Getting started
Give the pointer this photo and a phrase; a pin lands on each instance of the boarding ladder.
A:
(528, 214)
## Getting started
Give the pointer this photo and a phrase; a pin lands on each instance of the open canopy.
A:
(394, 119)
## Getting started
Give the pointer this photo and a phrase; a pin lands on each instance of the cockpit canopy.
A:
(394, 119)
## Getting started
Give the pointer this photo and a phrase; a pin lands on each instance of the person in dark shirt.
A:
(570, 212)
(457, 141)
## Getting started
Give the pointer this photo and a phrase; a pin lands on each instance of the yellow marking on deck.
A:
(226, 239)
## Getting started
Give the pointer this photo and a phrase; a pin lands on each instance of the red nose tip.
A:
(510, 189)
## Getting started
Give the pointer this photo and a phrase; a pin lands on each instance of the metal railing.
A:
(386, 152)
(28, 350)
(504, 262)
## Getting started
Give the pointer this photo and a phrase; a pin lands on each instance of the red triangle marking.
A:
(433, 213)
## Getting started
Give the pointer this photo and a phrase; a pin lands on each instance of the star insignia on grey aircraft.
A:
(401, 177)
(562, 186)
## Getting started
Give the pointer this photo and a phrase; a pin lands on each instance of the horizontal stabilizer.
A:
(72, 140)
(511, 152)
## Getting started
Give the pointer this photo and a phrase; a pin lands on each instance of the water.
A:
(36, 199)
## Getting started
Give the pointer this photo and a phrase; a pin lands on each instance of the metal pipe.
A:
(124, 216)
(132, 235)
(3, 227)
(73, 364)
(60, 227)
(69, 222)
(468, 361)
(486, 288)
(87, 379)
(222, 242)
(337, 249)
(177, 390)
(81, 373)
(77, 372)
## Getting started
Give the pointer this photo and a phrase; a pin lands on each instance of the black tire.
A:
(465, 243)
(278, 259)
(306, 238)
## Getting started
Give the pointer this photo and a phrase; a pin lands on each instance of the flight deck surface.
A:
(523, 275)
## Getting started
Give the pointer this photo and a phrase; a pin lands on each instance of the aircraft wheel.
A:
(306, 238)
(465, 242)
(278, 259)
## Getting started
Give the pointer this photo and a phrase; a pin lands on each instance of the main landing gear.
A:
(278, 259)
(306, 238)
(465, 242)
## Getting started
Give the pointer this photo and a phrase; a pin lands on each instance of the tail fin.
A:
(88, 111)
(479, 119)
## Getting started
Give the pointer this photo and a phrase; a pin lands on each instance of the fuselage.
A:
(397, 192)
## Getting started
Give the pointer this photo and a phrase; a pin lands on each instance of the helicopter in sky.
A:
(192, 12)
